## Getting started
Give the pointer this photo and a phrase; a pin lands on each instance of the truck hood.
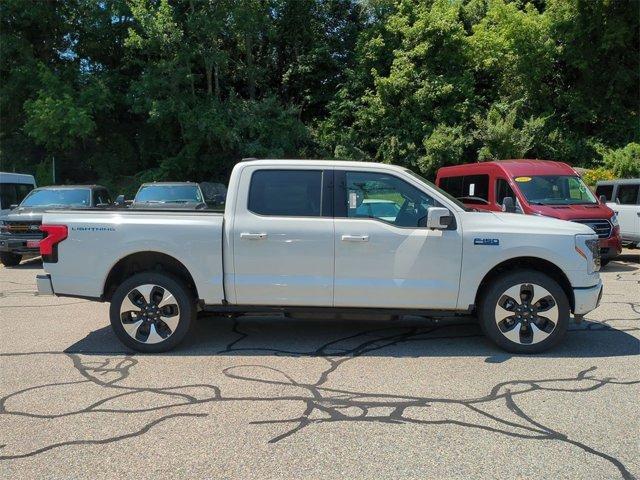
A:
(497, 222)
(24, 215)
(32, 214)
(573, 212)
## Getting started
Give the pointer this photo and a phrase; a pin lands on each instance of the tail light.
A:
(54, 234)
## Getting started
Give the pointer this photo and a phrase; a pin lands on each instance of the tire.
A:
(604, 262)
(9, 259)
(141, 321)
(534, 326)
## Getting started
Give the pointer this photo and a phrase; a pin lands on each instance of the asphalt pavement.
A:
(255, 397)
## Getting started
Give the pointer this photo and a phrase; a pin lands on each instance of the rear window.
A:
(289, 193)
(606, 190)
(628, 194)
(471, 189)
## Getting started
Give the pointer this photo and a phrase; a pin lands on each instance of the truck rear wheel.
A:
(152, 312)
(9, 259)
(524, 312)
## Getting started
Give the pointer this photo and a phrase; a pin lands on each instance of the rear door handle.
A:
(355, 238)
(253, 236)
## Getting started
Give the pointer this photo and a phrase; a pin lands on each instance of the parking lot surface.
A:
(257, 397)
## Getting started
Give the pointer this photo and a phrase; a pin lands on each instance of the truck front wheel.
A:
(524, 312)
(9, 259)
(152, 312)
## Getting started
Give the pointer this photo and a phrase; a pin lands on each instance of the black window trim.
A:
(326, 187)
(340, 200)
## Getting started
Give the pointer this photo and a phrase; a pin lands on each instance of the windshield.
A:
(58, 197)
(449, 197)
(169, 194)
(555, 190)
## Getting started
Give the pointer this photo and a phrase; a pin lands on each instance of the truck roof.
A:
(513, 167)
(167, 183)
(7, 177)
(321, 163)
(67, 187)
(620, 181)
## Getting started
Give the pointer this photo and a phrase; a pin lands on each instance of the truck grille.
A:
(601, 226)
(24, 229)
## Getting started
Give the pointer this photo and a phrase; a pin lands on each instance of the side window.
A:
(475, 189)
(291, 193)
(452, 185)
(13, 193)
(385, 198)
(503, 189)
(606, 190)
(628, 194)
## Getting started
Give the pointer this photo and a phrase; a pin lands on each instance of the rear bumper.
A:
(587, 299)
(44, 284)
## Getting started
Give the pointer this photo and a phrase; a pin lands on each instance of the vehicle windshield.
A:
(555, 190)
(449, 197)
(58, 197)
(169, 194)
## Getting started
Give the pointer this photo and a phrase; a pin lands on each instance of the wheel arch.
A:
(532, 263)
(144, 262)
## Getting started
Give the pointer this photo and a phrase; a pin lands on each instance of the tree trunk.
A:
(216, 79)
(250, 73)
(208, 66)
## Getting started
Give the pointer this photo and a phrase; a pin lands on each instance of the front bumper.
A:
(610, 247)
(587, 299)
(18, 244)
(44, 284)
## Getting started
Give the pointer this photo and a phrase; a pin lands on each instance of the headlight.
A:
(614, 220)
(588, 247)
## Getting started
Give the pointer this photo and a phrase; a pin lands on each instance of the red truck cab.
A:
(537, 187)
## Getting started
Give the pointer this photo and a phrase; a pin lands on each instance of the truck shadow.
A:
(407, 337)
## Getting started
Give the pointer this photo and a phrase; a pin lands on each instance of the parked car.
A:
(173, 195)
(292, 239)
(13, 188)
(20, 233)
(623, 196)
(535, 187)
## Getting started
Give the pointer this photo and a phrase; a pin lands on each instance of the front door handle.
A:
(253, 236)
(355, 238)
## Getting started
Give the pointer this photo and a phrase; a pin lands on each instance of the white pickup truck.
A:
(328, 237)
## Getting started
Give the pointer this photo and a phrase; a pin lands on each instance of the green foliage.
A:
(594, 175)
(624, 162)
(121, 91)
(502, 138)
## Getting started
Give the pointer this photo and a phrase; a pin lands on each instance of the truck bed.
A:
(99, 239)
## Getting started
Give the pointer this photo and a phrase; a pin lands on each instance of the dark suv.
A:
(20, 233)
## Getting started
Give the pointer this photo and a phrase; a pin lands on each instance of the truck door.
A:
(283, 237)
(626, 206)
(383, 257)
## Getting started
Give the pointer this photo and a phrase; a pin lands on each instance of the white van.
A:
(623, 196)
(13, 188)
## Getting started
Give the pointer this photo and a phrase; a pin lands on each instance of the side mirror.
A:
(508, 205)
(439, 218)
(13, 205)
(119, 201)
